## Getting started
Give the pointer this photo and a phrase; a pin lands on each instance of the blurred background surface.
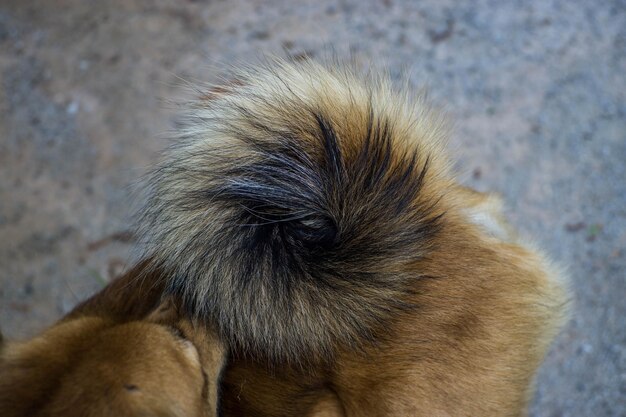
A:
(536, 90)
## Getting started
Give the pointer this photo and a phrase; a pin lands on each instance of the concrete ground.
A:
(537, 93)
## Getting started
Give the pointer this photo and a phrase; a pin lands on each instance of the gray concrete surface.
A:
(536, 89)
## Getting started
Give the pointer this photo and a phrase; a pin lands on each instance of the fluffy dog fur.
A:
(310, 216)
(310, 213)
(293, 205)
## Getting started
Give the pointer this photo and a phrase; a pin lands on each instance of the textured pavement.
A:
(536, 90)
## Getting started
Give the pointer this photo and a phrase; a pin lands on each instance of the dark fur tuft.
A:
(292, 207)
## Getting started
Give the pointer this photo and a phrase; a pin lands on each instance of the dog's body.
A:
(312, 219)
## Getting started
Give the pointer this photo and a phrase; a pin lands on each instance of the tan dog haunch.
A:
(123, 352)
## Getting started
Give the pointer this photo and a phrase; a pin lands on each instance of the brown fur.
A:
(482, 325)
(311, 214)
(378, 286)
(121, 353)
(292, 204)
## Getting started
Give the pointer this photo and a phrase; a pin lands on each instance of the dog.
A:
(309, 218)
(313, 217)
